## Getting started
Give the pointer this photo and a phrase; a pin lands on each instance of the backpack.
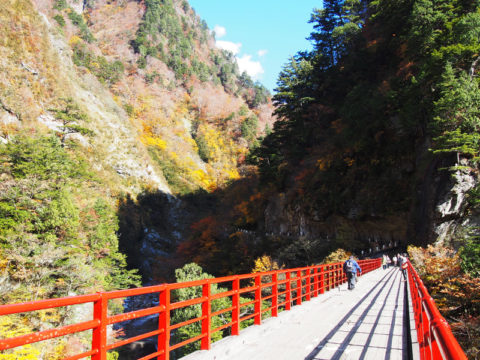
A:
(349, 267)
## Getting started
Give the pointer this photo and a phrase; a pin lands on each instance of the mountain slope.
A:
(93, 121)
(114, 117)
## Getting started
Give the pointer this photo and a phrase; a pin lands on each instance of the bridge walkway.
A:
(369, 322)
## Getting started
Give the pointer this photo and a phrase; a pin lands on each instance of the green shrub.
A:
(60, 20)
(249, 128)
(78, 21)
(107, 72)
(42, 158)
(142, 62)
(60, 5)
(129, 109)
(174, 175)
(470, 256)
(52, 245)
(203, 149)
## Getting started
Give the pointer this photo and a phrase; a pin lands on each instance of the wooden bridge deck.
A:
(368, 323)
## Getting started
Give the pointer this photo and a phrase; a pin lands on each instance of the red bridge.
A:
(304, 313)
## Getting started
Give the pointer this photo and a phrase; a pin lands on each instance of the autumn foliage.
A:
(457, 294)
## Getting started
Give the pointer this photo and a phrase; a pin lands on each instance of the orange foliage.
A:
(337, 125)
(248, 210)
(303, 174)
(349, 161)
(384, 87)
(405, 70)
(323, 164)
(456, 294)
(199, 248)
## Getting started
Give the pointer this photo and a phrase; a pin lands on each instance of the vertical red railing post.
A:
(435, 324)
(418, 319)
(328, 275)
(335, 276)
(315, 281)
(426, 332)
(330, 278)
(419, 316)
(299, 287)
(99, 334)
(258, 300)
(275, 294)
(309, 290)
(322, 279)
(340, 274)
(288, 292)
(164, 323)
(332, 281)
(206, 321)
(236, 306)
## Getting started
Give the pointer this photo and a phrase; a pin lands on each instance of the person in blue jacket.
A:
(350, 267)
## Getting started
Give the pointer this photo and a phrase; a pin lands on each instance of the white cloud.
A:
(245, 62)
(219, 31)
(262, 52)
(228, 45)
(253, 68)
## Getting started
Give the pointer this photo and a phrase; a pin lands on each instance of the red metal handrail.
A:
(435, 337)
(287, 286)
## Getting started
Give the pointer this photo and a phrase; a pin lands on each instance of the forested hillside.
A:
(376, 150)
(104, 104)
(130, 146)
(377, 140)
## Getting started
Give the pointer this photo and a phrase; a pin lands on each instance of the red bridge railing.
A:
(286, 288)
(435, 337)
(280, 289)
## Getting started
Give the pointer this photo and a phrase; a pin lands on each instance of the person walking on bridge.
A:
(350, 268)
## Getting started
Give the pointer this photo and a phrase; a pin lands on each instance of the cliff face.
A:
(440, 211)
(138, 114)
(364, 236)
(452, 215)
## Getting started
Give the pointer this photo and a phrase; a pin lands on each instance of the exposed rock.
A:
(372, 234)
(153, 247)
(451, 220)
(77, 5)
(29, 69)
(49, 121)
(453, 203)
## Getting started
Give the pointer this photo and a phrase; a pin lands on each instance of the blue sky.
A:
(264, 34)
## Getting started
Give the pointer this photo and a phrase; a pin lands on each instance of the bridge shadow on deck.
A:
(383, 287)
